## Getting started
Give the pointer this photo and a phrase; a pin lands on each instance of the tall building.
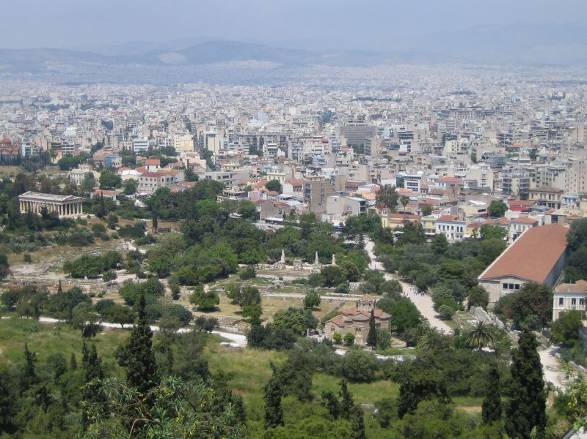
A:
(316, 192)
(576, 178)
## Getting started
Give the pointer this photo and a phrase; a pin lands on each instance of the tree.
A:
(372, 334)
(491, 408)
(331, 276)
(137, 356)
(388, 197)
(130, 186)
(273, 408)
(359, 366)
(273, 186)
(349, 339)
(28, 375)
(384, 413)
(478, 296)
(357, 423)
(480, 336)
(426, 210)
(532, 306)
(109, 179)
(346, 400)
(404, 201)
(565, 330)
(311, 300)
(497, 209)
(526, 410)
(439, 244)
(88, 182)
(204, 301)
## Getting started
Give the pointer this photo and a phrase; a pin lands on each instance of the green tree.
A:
(130, 186)
(357, 423)
(273, 408)
(372, 334)
(28, 376)
(491, 408)
(137, 356)
(439, 244)
(480, 336)
(385, 412)
(532, 306)
(388, 197)
(526, 411)
(565, 330)
(497, 209)
(273, 186)
(204, 301)
(109, 179)
(311, 300)
(346, 400)
(404, 201)
(478, 296)
(88, 182)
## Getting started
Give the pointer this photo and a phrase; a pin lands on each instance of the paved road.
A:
(422, 301)
(234, 340)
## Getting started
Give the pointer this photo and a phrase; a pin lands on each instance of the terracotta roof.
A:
(532, 256)
(579, 287)
(524, 220)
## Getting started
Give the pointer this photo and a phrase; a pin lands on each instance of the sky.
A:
(341, 24)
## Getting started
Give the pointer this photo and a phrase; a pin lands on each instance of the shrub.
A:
(349, 339)
(247, 273)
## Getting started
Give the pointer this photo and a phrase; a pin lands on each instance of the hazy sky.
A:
(368, 24)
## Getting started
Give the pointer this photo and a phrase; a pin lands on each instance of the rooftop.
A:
(532, 256)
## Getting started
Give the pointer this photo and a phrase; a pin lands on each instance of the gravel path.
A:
(422, 301)
(234, 340)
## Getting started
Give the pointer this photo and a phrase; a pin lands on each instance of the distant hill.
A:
(505, 45)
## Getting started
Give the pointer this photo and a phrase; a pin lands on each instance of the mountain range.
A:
(506, 45)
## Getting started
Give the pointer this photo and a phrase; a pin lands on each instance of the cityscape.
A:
(252, 235)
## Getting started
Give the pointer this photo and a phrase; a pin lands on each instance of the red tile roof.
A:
(532, 256)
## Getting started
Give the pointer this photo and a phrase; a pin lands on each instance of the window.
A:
(504, 286)
(517, 286)
(573, 301)
(561, 301)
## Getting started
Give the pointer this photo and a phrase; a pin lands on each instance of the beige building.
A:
(316, 192)
(569, 297)
(576, 178)
(546, 196)
(63, 205)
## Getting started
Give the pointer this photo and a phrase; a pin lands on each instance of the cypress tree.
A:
(331, 403)
(139, 359)
(73, 362)
(29, 375)
(372, 334)
(357, 423)
(273, 409)
(491, 409)
(527, 408)
(346, 401)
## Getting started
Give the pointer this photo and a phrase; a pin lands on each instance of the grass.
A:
(246, 370)
(50, 339)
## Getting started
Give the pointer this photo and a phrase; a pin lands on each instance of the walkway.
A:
(422, 301)
(234, 340)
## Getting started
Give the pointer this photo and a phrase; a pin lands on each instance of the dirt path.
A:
(422, 301)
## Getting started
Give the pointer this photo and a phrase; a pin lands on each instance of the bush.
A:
(343, 288)
(446, 312)
(204, 301)
(337, 338)
(247, 273)
(349, 339)
(206, 324)
(359, 366)
(565, 330)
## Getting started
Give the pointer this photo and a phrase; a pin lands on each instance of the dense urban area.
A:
(400, 256)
